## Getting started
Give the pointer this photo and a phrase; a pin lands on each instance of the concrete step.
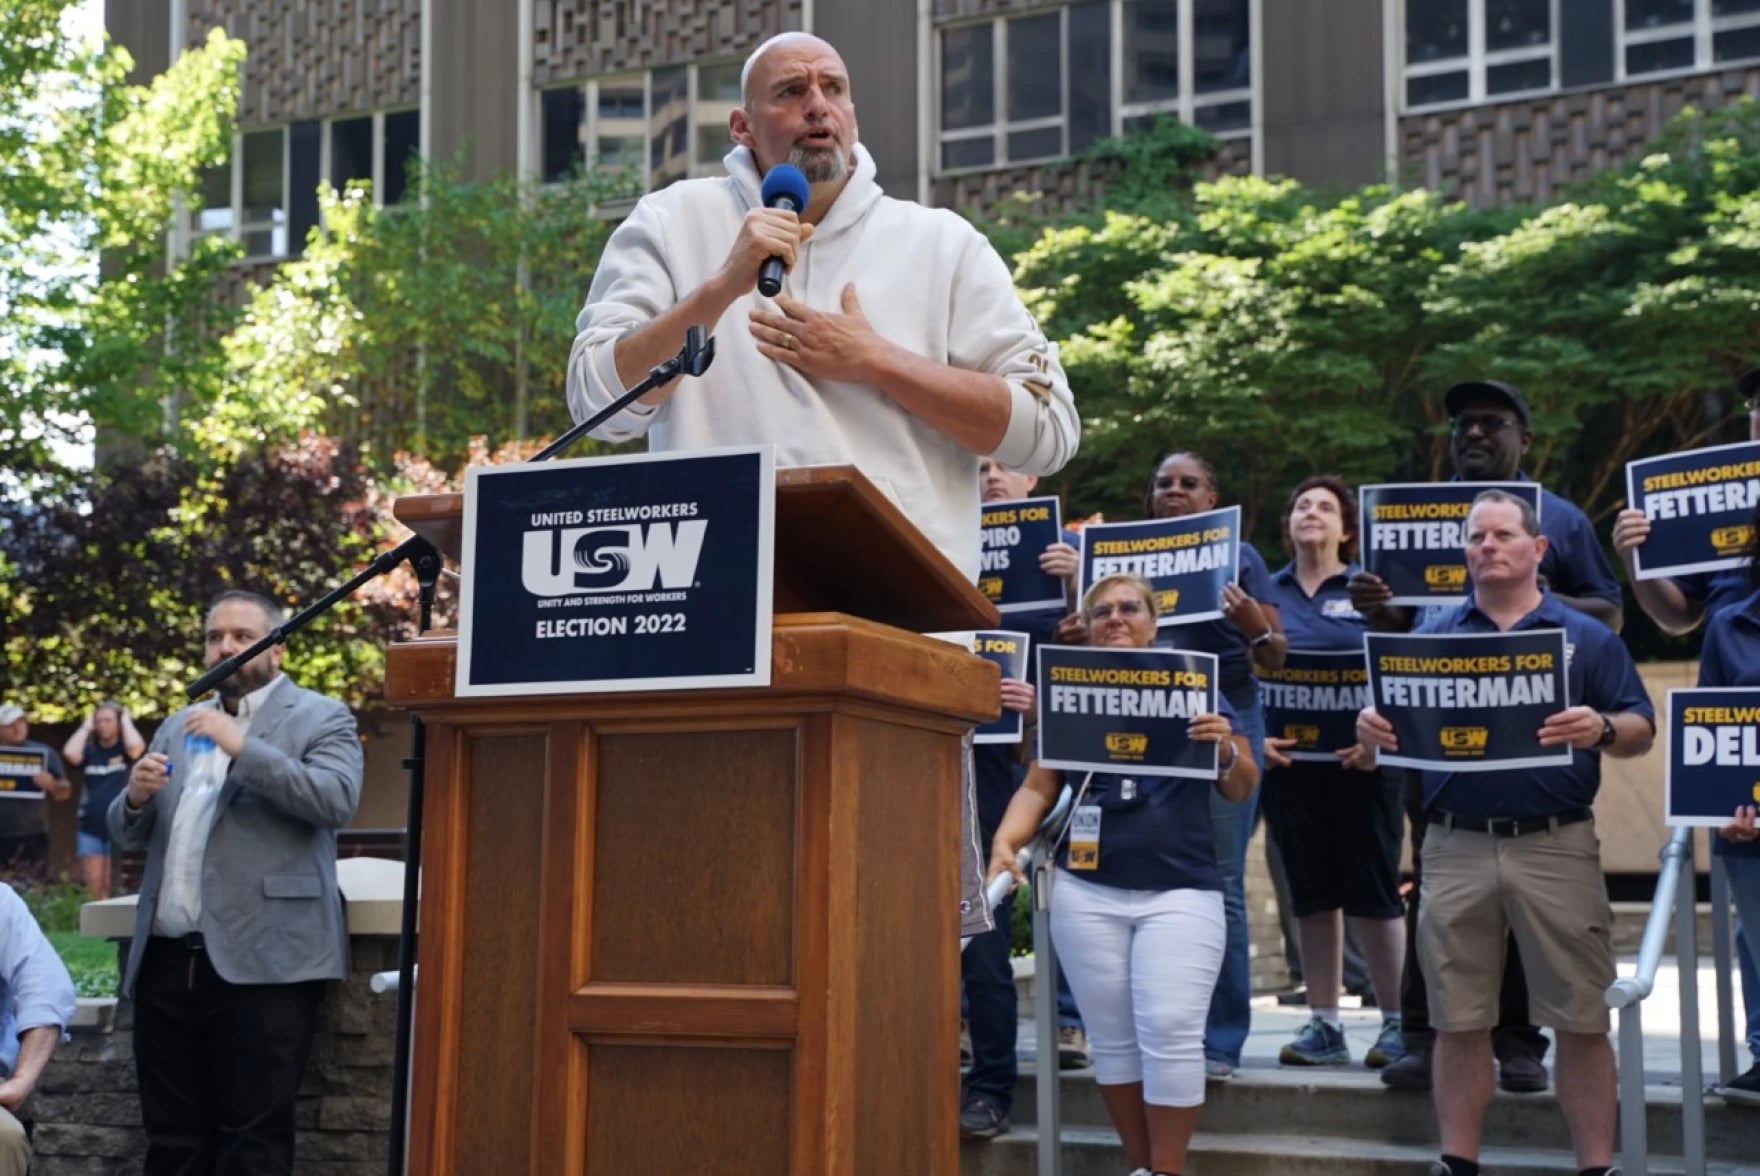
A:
(1352, 1105)
(1092, 1151)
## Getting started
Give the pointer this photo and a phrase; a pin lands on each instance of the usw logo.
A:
(574, 560)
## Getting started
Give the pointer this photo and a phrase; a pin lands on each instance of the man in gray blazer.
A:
(240, 921)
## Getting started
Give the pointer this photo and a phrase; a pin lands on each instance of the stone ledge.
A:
(372, 890)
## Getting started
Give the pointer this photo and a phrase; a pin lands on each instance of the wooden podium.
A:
(709, 930)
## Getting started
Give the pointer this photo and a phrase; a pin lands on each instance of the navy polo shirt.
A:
(1234, 670)
(1325, 622)
(997, 766)
(1715, 590)
(1154, 830)
(1600, 674)
(1574, 563)
(1731, 657)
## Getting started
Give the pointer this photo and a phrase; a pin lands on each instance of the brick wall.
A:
(312, 60)
(87, 1108)
(1523, 151)
(580, 38)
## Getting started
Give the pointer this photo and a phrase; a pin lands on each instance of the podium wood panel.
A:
(703, 929)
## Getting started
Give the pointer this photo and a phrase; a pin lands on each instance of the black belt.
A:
(191, 942)
(1508, 826)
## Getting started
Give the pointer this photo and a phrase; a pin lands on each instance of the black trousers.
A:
(219, 1065)
(1515, 1035)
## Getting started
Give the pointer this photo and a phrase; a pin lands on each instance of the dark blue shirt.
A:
(1600, 674)
(998, 766)
(1154, 830)
(105, 775)
(1731, 657)
(1715, 590)
(1325, 622)
(1234, 670)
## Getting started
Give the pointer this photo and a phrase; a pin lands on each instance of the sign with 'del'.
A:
(1713, 754)
(645, 572)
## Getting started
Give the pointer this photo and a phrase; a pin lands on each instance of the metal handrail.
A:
(1676, 896)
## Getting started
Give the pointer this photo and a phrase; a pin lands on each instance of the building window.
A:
(660, 125)
(1679, 36)
(267, 195)
(1043, 86)
(1472, 50)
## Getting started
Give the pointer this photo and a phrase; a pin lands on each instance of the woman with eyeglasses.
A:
(1338, 828)
(1249, 633)
(1141, 933)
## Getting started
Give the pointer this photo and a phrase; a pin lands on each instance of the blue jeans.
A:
(1744, 888)
(1231, 1008)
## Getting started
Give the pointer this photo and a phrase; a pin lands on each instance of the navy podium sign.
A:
(645, 572)
(1008, 651)
(1314, 699)
(1713, 754)
(1414, 535)
(1013, 535)
(1187, 561)
(1469, 702)
(1701, 508)
(1125, 710)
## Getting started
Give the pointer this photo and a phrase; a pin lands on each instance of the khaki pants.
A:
(15, 1149)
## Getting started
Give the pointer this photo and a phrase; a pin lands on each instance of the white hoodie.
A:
(927, 281)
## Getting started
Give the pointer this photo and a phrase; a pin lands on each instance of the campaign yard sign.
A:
(1008, 651)
(1013, 535)
(1125, 710)
(1469, 702)
(19, 769)
(640, 572)
(1187, 561)
(1713, 754)
(1314, 699)
(1700, 505)
(1414, 535)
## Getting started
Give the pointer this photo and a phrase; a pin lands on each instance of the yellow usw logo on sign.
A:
(1305, 734)
(1127, 743)
(1445, 575)
(1465, 740)
(1731, 540)
(991, 587)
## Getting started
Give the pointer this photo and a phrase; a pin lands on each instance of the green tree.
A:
(93, 164)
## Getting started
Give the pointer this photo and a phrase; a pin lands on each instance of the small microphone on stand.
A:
(785, 186)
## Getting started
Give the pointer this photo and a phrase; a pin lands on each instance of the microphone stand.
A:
(693, 359)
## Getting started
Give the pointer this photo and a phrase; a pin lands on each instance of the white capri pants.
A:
(1141, 965)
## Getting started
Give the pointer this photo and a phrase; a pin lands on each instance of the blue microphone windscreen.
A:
(785, 179)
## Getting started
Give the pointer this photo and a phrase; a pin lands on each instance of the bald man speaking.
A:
(897, 343)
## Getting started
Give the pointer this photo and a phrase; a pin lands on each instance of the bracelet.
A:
(1223, 770)
(1263, 638)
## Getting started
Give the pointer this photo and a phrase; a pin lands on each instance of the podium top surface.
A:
(841, 546)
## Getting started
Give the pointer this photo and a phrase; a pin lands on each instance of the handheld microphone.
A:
(784, 187)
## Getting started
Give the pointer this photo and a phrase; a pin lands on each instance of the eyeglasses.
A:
(1486, 422)
(1129, 610)
(1188, 482)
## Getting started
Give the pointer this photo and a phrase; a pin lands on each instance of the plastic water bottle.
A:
(199, 754)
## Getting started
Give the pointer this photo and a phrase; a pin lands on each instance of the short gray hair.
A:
(1530, 520)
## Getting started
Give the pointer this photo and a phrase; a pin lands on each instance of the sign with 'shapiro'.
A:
(1700, 504)
(1012, 536)
(1469, 702)
(19, 769)
(1187, 561)
(1314, 699)
(641, 572)
(1125, 710)
(1008, 651)
(1713, 754)
(1414, 535)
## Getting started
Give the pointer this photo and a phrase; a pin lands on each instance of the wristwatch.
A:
(1608, 734)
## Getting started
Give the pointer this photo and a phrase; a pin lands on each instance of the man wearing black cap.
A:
(1489, 432)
